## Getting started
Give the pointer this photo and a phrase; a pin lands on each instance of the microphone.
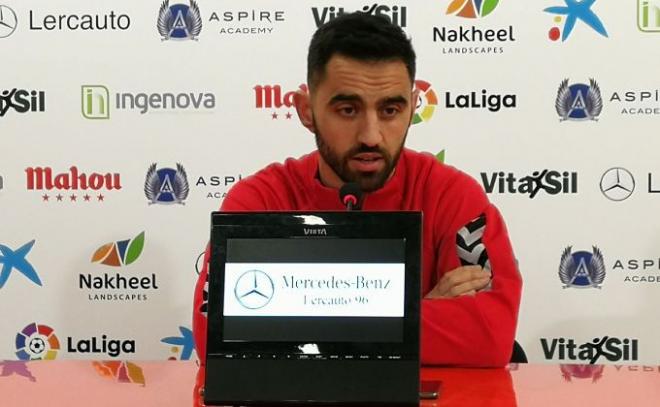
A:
(350, 195)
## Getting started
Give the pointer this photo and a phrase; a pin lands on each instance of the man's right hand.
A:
(466, 280)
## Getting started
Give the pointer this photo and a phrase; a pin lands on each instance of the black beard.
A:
(367, 181)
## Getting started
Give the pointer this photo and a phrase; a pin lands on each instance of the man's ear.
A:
(303, 103)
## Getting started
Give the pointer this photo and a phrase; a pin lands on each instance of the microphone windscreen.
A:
(351, 192)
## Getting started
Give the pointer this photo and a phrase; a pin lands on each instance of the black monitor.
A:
(314, 308)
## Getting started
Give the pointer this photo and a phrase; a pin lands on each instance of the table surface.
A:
(163, 384)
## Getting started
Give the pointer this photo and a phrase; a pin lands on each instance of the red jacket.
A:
(465, 331)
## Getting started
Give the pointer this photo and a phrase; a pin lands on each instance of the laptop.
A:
(314, 308)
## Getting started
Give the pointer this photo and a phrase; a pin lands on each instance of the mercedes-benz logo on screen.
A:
(254, 289)
(8, 21)
(617, 184)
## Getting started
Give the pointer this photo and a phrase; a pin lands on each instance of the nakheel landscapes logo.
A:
(118, 286)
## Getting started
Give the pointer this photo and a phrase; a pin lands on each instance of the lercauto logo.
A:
(17, 260)
(166, 186)
(472, 8)
(579, 101)
(121, 253)
(182, 347)
(426, 104)
(179, 21)
(37, 342)
(122, 372)
(574, 11)
(254, 289)
(582, 269)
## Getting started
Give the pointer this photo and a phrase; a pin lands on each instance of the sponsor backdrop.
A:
(123, 124)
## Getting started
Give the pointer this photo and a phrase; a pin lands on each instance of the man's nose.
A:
(370, 132)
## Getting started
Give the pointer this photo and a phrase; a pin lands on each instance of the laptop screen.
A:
(314, 290)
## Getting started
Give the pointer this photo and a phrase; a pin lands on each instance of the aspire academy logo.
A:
(179, 21)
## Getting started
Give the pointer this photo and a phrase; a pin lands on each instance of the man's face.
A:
(361, 112)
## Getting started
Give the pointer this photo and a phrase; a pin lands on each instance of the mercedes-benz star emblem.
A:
(617, 184)
(8, 21)
(254, 289)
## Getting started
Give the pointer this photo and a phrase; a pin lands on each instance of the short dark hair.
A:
(359, 36)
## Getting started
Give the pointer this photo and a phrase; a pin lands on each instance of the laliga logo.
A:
(254, 289)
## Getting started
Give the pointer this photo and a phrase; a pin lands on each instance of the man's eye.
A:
(390, 111)
(347, 110)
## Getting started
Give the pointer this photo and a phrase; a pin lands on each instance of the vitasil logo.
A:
(579, 101)
(216, 186)
(549, 181)
(68, 185)
(648, 15)
(246, 22)
(428, 100)
(617, 184)
(273, 98)
(582, 269)
(637, 102)
(254, 289)
(166, 186)
(37, 342)
(397, 15)
(574, 11)
(472, 8)
(179, 21)
(8, 21)
(118, 286)
(22, 101)
(182, 347)
(609, 348)
(110, 21)
(96, 102)
(17, 260)
(472, 39)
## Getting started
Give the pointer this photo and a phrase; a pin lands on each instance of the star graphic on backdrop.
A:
(100, 197)
(15, 259)
(45, 197)
(87, 198)
(59, 197)
(578, 10)
(73, 198)
(288, 115)
(274, 116)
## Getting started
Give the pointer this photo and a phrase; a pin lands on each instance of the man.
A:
(359, 105)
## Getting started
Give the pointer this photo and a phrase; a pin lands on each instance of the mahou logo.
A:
(272, 97)
(72, 186)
